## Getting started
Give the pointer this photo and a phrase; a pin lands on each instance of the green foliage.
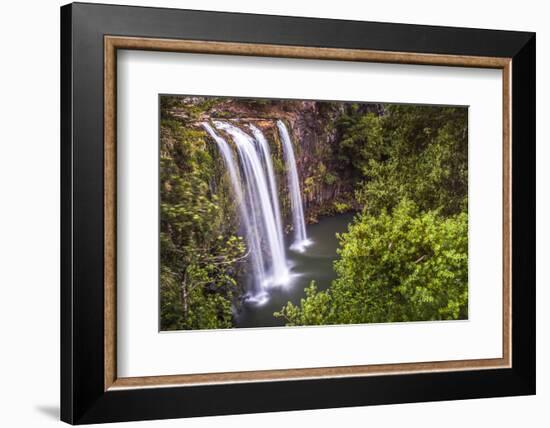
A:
(413, 152)
(330, 178)
(314, 309)
(405, 266)
(361, 140)
(341, 207)
(199, 252)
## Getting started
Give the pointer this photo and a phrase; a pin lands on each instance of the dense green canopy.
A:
(403, 266)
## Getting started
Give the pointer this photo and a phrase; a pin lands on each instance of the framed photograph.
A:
(266, 213)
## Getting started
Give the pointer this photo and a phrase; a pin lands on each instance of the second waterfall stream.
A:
(299, 224)
(254, 186)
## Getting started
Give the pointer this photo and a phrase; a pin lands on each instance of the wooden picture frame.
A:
(91, 390)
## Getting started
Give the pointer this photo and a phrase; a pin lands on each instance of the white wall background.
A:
(29, 214)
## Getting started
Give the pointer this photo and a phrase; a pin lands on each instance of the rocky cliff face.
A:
(314, 137)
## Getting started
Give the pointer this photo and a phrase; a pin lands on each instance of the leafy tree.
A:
(414, 152)
(361, 140)
(405, 266)
(200, 255)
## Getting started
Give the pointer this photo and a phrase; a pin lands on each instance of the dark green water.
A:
(315, 264)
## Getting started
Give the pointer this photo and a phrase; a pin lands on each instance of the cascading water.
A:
(250, 226)
(259, 205)
(255, 189)
(300, 237)
(266, 157)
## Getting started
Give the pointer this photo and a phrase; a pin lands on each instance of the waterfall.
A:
(248, 222)
(266, 157)
(260, 206)
(300, 237)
